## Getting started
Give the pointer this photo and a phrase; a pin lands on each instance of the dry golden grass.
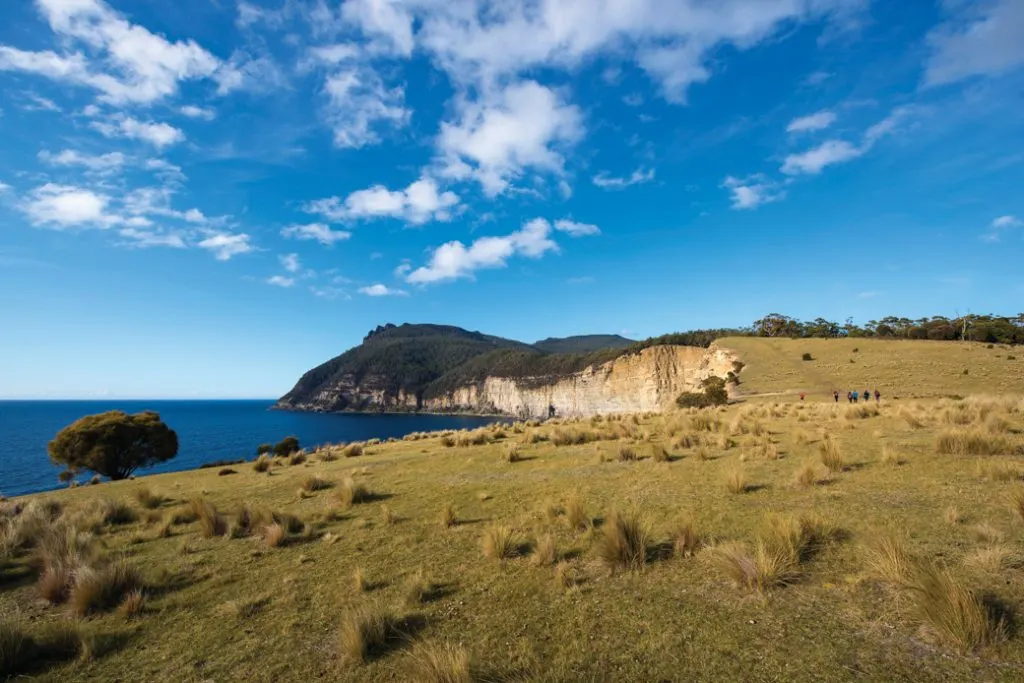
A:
(439, 663)
(134, 604)
(736, 481)
(315, 483)
(211, 522)
(623, 541)
(417, 589)
(353, 450)
(954, 516)
(951, 611)
(686, 539)
(807, 475)
(627, 454)
(387, 515)
(892, 457)
(576, 514)
(985, 532)
(994, 559)
(831, 454)
(274, 535)
(972, 442)
(545, 551)
(1017, 502)
(448, 518)
(101, 590)
(350, 493)
(359, 580)
(887, 558)
(658, 453)
(499, 542)
(149, 500)
(365, 631)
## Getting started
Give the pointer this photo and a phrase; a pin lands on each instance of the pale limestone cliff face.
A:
(648, 381)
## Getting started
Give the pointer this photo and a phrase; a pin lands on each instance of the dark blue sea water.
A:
(207, 431)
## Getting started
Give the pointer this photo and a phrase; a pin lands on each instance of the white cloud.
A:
(574, 229)
(999, 226)
(4, 187)
(315, 231)
(832, 152)
(159, 135)
(637, 177)
(226, 245)
(1007, 222)
(329, 293)
(382, 290)
(359, 104)
(204, 113)
(280, 281)
(156, 201)
(418, 203)
(752, 192)
(39, 103)
(817, 78)
(981, 39)
(65, 206)
(194, 216)
(817, 121)
(494, 140)
(290, 262)
(103, 163)
(386, 20)
(165, 170)
(133, 65)
(455, 260)
(143, 239)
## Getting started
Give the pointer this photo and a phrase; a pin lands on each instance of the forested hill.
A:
(409, 358)
(586, 343)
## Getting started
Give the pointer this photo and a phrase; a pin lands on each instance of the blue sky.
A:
(206, 198)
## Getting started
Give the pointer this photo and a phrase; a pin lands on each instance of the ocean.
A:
(207, 431)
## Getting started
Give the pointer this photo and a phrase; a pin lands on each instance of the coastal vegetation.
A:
(770, 539)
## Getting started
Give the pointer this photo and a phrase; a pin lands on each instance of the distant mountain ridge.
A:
(398, 366)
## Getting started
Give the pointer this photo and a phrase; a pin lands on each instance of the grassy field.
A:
(765, 541)
(897, 368)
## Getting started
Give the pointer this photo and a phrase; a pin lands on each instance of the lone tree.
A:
(114, 444)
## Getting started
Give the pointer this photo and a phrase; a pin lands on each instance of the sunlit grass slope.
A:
(763, 542)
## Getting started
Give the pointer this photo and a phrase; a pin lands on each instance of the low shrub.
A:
(806, 357)
(262, 463)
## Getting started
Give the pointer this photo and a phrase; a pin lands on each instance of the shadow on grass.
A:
(400, 633)
(439, 591)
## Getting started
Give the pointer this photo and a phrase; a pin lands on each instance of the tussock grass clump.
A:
(887, 558)
(448, 518)
(439, 663)
(995, 558)
(499, 542)
(315, 483)
(808, 475)
(417, 589)
(953, 516)
(784, 543)
(353, 450)
(831, 454)
(1017, 502)
(912, 419)
(513, 454)
(952, 611)
(545, 551)
(351, 493)
(118, 512)
(448, 441)
(102, 590)
(387, 515)
(658, 453)
(274, 535)
(61, 551)
(359, 580)
(686, 539)
(736, 481)
(987, 533)
(576, 514)
(297, 458)
(148, 499)
(133, 604)
(572, 437)
(262, 463)
(367, 630)
(22, 653)
(972, 442)
(211, 522)
(703, 454)
(623, 542)
(627, 454)
(892, 457)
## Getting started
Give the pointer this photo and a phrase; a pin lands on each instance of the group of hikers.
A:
(854, 396)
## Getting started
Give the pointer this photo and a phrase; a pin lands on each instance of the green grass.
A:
(820, 593)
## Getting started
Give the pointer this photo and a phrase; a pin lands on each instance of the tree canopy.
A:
(114, 444)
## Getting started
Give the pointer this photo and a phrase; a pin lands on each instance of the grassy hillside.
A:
(759, 563)
(895, 367)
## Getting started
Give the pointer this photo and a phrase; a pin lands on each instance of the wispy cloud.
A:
(281, 281)
(382, 290)
(817, 121)
(609, 182)
(833, 152)
(318, 232)
(752, 191)
(999, 226)
(418, 203)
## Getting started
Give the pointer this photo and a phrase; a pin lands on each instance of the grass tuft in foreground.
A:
(623, 542)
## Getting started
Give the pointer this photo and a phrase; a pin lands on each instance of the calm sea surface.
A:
(207, 431)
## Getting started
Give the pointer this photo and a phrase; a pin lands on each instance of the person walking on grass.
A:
(878, 396)
(835, 395)
(849, 397)
(867, 396)
(855, 395)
